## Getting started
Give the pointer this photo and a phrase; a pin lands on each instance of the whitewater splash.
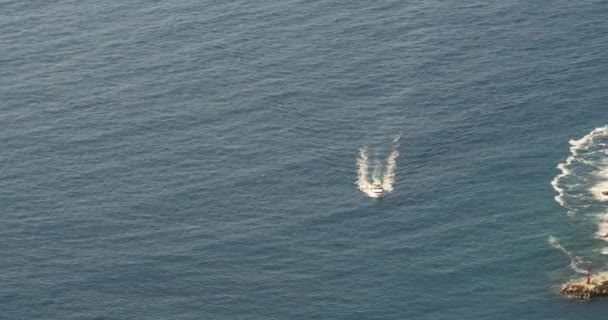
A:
(582, 186)
(584, 173)
(575, 261)
(382, 174)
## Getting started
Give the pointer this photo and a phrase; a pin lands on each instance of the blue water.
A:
(197, 159)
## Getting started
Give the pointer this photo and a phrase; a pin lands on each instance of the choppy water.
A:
(198, 159)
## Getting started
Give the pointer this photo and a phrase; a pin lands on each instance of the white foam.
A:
(389, 174)
(383, 174)
(396, 139)
(577, 146)
(363, 173)
(602, 173)
(564, 168)
(598, 191)
(602, 227)
(575, 261)
(581, 184)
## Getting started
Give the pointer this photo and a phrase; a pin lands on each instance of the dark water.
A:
(197, 159)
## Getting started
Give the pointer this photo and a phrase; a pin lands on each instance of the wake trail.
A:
(389, 175)
(383, 174)
(363, 173)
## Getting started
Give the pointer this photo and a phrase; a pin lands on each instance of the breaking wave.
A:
(582, 186)
(575, 261)
(584, 175)
(383, 173)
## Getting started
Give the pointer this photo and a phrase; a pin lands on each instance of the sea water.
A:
(202, 159)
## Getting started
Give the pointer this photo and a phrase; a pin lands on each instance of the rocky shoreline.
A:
(596, 286)
(583, 291)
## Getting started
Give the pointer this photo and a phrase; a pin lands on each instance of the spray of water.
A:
(363, 173)
(383, 174)
(389, 174)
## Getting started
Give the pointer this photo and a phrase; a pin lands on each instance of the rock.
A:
(598, 287)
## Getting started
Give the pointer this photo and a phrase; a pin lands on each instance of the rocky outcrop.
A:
(579, 291)
(598, 287)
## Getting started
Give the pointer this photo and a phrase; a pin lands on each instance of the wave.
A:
(582, 186)
(575, 261)
(575, 180)
(600, 191)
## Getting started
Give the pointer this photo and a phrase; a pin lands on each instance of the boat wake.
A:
(383, 174)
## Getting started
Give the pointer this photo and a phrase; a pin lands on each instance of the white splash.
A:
(363, 173)
(575, 261)
(382, 174)
(600, 191)
(566, 168)
(389, 174)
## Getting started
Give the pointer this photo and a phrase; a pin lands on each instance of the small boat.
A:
(377, 188)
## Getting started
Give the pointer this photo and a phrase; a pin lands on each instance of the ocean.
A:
(213, 159)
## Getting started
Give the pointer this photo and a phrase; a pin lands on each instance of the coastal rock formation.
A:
(597, 287)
